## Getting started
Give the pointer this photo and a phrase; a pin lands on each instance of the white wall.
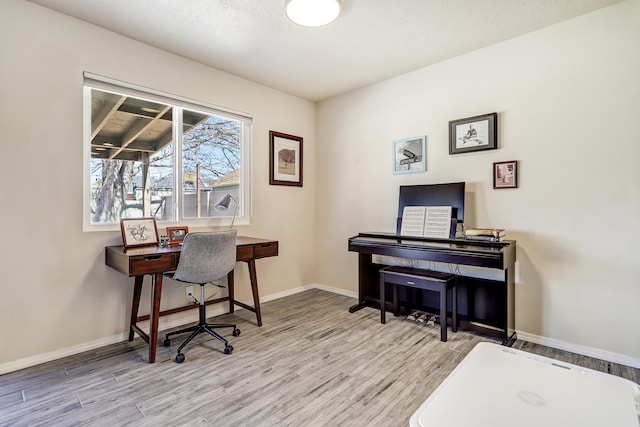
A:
(568, 99)
(55, 292)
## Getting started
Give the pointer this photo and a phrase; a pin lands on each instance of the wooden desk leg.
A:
(155, 316)
(230, 286)
(135, 304)
(254, 288)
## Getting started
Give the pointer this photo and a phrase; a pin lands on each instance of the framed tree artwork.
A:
(285, 159)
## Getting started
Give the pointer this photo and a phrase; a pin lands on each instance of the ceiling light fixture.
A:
(312, 13)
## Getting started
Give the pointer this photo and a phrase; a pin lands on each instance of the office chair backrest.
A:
(206, 257)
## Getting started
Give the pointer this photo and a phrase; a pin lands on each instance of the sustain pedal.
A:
(413, 316)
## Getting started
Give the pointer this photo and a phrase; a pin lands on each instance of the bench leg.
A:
(443, 313)
(396, 298)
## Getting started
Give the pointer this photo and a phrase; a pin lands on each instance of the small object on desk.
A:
(139, 232)
(177, 234)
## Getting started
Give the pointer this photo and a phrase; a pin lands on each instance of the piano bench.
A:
(429, 280)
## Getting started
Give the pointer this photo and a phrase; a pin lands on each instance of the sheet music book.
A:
(426, 221)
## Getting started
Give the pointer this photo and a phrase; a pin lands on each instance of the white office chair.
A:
(205, 257)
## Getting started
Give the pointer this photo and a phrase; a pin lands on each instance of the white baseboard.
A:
(581, 349)
(60, 353)
(165, 323)
(172, 322)
(332, 289)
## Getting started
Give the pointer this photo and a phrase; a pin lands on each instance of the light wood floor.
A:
(312, 364)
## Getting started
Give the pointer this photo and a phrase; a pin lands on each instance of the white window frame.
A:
(243, 215)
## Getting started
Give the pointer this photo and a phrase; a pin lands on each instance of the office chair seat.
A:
(205, 257)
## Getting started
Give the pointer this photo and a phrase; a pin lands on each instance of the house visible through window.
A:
(154, 155)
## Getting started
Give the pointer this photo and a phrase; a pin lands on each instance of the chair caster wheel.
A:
(179, 358)
(228, 349)
(236, 332)
(166, 342)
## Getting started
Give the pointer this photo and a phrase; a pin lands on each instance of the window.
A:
(150, 154)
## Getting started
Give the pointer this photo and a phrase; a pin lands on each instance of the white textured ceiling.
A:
(370, 41)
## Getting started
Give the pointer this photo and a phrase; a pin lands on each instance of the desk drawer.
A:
(151, 264)
(244, 253)
(266, 249)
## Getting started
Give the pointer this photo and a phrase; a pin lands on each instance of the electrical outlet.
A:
(188, 293)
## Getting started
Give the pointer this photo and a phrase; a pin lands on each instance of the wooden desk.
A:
(487, 305)
(156, 260)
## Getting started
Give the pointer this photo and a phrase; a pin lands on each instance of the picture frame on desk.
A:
(476, 133)
(285, 159)
(505, 174)
(177, 234)
(139, 232)
(410, 155)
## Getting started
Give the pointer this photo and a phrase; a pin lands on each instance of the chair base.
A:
(198, 329)
(201, 327)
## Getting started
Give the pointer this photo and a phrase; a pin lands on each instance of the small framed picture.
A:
(176, 234)
(139, 232)
(505, 174)
(477, 133)
(409, 155)
(285, 159)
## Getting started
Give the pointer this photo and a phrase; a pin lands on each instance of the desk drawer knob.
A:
(152, 257)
